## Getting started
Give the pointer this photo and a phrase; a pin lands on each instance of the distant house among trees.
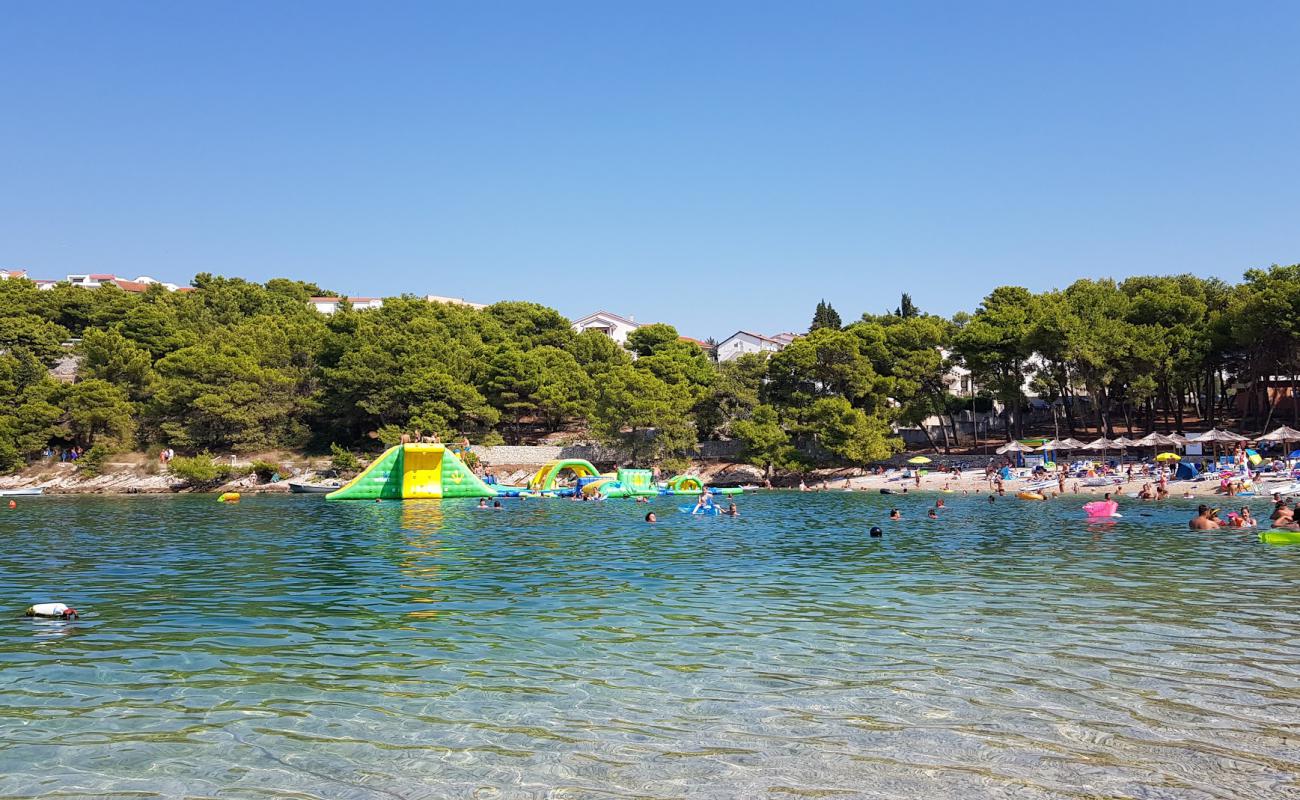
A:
(328, 305)
(742, 342)
(140, 284)
(612, 325)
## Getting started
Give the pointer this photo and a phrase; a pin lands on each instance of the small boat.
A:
(30, 492)
(313, 488)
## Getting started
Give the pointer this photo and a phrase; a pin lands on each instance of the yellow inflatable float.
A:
(228, 497)
(1030, 496)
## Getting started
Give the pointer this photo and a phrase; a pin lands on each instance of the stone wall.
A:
(595, 453)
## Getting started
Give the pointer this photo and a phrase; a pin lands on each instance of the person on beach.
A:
(1204, 519)
(917, 477)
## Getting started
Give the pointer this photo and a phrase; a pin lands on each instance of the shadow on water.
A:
(286, 646)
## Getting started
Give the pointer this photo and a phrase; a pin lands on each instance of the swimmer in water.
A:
(932, 514)
(496, 505)
(482, 502)
(938, 504)
(894, 515)
(650, 517)
(732, 511)
(993, 498)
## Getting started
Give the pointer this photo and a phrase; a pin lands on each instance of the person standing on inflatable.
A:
(704, 504)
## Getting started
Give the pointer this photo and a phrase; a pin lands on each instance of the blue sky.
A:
(716, 165)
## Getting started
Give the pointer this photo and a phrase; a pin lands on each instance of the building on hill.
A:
(612, 325)
(328, 305)
(6, 274)
(140, 284)
(705, 346)
(743, 342)
(454, 301)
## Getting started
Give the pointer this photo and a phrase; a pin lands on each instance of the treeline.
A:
(239, 366)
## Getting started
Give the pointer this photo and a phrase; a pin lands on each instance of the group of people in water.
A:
(1282, 518)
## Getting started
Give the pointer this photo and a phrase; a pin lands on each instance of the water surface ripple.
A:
(289, 648)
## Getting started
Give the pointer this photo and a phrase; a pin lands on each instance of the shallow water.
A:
(289, 648)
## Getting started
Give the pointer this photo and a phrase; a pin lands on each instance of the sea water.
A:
(286, 647)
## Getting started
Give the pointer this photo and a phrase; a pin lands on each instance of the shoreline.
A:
(142, 479)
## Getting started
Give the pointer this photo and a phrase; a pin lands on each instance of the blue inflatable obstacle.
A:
(703, 511)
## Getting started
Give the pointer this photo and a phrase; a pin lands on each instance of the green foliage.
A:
(906, 308)
(643, 414)
(264, 470)
(767, 445)
(110, 356)
(342, 459)
(241, 366)
(92, 461)
(491, 439)
(98, 410)
(200, 471)
(847, 433)
(825, 317)
(644, 341)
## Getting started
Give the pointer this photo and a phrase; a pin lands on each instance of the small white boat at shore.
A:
(28, 492)
(298, 487)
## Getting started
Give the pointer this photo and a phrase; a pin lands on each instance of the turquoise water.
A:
(289, 648)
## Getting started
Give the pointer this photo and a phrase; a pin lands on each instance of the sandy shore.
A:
(973, 482)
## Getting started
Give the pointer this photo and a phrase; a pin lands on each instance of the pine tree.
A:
(907, 308)
(825, 317)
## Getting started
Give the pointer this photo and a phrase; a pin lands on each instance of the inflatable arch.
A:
(544, 479)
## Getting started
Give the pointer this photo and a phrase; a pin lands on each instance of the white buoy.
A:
(52, 610)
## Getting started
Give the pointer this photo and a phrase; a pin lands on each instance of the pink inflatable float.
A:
(1101, 508)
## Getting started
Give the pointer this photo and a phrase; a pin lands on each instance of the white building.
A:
(328, 305)
(742, 342)
(455, 301)
(612, 325)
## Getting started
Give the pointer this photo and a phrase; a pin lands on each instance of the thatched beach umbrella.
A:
(1216, 437)
(1220, 437)
(1100, 443)
(1155, 441)
(1283, 434)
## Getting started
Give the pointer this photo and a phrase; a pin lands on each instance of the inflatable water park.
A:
(434, 472)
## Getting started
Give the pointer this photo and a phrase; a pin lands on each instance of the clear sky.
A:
(716, 165)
